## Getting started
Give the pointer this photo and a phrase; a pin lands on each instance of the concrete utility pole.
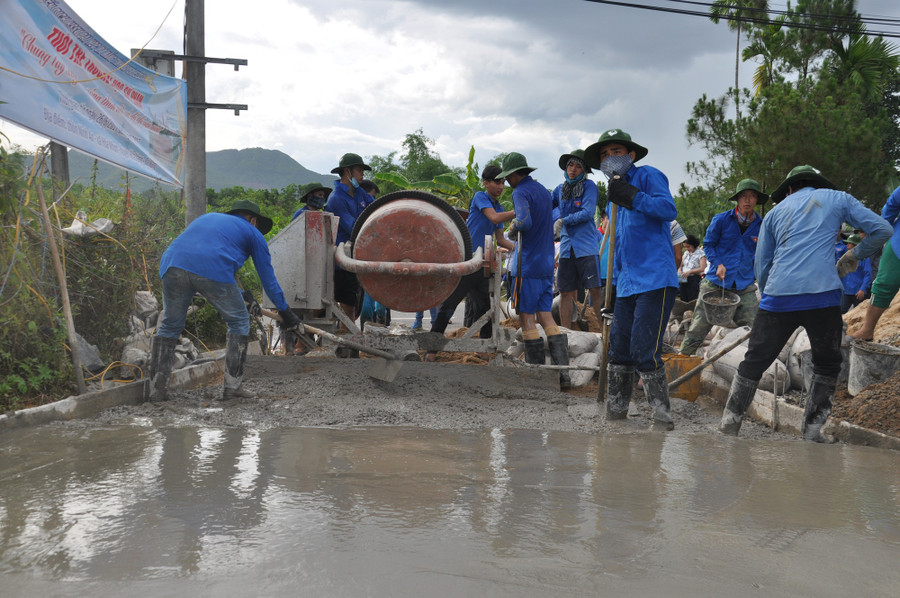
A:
(59, 168)
(195, 75)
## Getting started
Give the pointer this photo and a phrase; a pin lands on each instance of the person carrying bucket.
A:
(730, 246)
(643, 273)
(800, 286)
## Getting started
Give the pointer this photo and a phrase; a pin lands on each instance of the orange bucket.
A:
(676, 366)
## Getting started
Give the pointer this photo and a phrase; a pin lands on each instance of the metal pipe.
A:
(342, 259)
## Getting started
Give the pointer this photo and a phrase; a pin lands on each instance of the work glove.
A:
(512, 232)
(606, 313)
(557, 229)
(847, 264)
(289, 319)
(253, 307)
(622, 193)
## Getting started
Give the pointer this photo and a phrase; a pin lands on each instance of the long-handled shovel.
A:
(605, 324)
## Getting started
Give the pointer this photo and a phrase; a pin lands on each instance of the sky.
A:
(539, 77)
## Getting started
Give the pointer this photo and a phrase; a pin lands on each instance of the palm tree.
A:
(767, 43)
(734, 11)
(865, 62)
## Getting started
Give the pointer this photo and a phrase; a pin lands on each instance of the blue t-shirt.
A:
(534, 221)
(347, 207)
(478, 224)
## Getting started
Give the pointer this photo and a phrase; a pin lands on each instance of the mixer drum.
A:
(414, 227)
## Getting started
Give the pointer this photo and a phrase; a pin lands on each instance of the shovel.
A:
(605, 324)
(384, 368)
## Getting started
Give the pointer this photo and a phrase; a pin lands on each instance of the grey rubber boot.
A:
(162, 359)
(739, 398)
(235, 356)
(818, 407)
(656, 387)
(559, 355)
(534, 351)
(618, 391)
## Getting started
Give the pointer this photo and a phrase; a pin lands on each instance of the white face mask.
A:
(616, 165)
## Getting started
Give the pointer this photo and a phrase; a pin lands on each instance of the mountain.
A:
(252, 168)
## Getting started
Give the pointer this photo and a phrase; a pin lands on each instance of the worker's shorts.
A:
(531, 295)
(346, 287)
(887, 281)
(576, 273)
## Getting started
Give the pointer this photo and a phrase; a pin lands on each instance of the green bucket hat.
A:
(592, 153)
(245, 206)
(578, 153)
(750, 185)
(855, 239)
(348, 160)
(310, 188)
(514, 162)
(811, 176)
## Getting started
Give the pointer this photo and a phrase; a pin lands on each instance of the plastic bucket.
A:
(676, 366)
(870, 363)
(720, 306)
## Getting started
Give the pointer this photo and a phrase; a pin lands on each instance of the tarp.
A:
(60, 79)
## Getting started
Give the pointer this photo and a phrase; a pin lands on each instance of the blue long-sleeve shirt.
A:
(795, 252)
(644, 259)
(726, 244)
(478, 224)
(347, 204)
(534, 220)
(216, 245)
(858, 280)
(579, 232)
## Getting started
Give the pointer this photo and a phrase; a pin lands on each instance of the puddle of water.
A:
(413, 512)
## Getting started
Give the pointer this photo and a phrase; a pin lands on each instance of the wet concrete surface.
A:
(141, 505)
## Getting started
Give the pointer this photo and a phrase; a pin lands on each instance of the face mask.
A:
(354, 182)
(616, 165)
(576, 179)
(315, 203)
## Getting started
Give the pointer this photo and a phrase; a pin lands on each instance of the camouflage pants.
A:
(700, 326)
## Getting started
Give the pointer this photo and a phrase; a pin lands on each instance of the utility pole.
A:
(195, 75)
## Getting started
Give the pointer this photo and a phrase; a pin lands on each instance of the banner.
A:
(60, 79)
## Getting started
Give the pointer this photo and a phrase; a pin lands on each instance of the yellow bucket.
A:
(676, 366)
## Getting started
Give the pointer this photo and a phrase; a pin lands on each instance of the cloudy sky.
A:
(541, 77)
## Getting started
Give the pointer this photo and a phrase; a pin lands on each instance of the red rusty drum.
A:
(410, 249)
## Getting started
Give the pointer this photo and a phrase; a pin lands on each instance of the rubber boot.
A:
(559, 355)
(739, 399)
(818, 407)
(618, 390)
(656, 387)
(235, 356)
(534, 351)
(162, 359)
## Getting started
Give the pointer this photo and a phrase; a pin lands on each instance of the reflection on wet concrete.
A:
(140, 510)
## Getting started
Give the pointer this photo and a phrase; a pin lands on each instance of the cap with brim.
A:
(855, 239)
(750, 185)
(514, 162)
(348, 160)
(245, 206)
(312, 188)
(805, 174)
(592, 153)
(579, 154)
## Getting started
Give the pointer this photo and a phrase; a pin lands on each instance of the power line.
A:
(758, 21)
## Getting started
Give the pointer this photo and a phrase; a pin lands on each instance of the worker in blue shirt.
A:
(347, 202)
(486, 218)
(643, 272)
(204, 259)
(579, 260)
(730, 246)
(533, 292)
(857, 283)
(801, 286)
(313, 197)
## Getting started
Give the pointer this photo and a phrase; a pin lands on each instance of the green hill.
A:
(253, 168)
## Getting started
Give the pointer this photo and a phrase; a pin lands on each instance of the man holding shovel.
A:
(730, 247)
(801, 287)
(643, 273)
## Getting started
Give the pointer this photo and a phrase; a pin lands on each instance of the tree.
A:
(735, 11)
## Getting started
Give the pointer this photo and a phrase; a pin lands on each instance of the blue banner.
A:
(60, 79)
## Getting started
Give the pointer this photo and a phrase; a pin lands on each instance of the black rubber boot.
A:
(656, 387)
(534, 351)
(618, 390)
(162, 359)
(818, 407)
(559, 355)
(235, 356)
(739, 399)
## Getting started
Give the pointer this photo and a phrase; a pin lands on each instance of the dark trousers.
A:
(477, 287)
(689, 290)
(638, 326)
(771, 330)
